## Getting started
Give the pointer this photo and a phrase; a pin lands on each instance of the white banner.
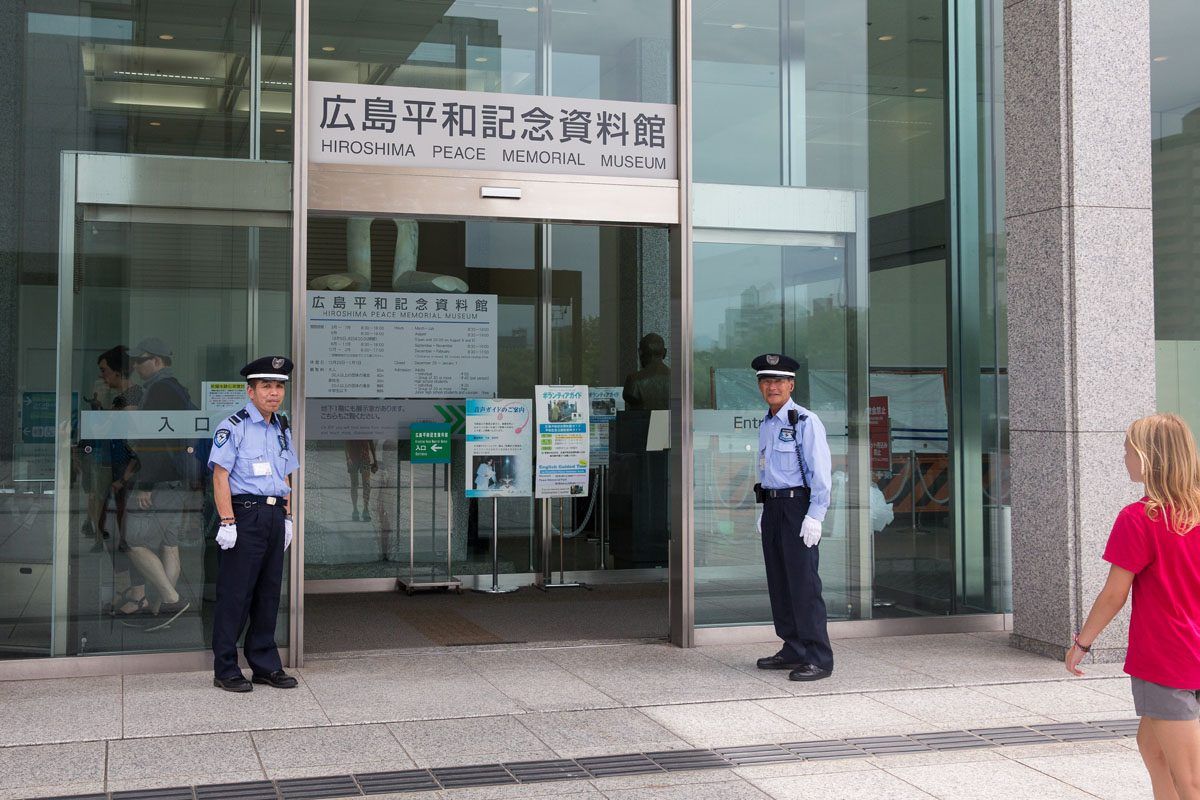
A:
(562, 441)
(395, 126)
(338, 419)
(150, 424)
(384, 344)
(499, 456)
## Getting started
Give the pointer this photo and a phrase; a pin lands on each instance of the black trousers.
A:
(795, 587)
(249, 579)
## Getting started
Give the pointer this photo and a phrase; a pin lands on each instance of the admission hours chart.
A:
(388, 344)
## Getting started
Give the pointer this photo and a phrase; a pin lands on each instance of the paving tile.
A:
(725, 724)
(178, 703)
(60, 710)
(1055, 699)
(168, 781)
(949, 707)
(834, 716)
(397, 688)
(476, 740)
(841, 786)
(797, 769)
(725, 790)
(338, 749)
(184, 760)
(33, 768)
(575, 790)
(1112, 772)
(986, 780)
(536, 683)
(659, 674)
(571, 734)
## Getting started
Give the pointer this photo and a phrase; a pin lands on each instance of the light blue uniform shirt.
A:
(778, 466)
(257, 453)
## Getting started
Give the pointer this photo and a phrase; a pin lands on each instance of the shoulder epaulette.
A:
(237, 418)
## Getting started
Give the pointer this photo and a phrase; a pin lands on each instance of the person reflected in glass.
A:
(1154, 550)
(156, 514)
(361, 463)
(649, 389)
(795, 478)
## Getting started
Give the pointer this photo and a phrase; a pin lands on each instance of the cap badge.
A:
(773, 360)
(277, 363)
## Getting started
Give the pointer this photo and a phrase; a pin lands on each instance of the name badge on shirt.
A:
(262, 468)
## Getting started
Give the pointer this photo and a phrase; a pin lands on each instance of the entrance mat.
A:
(528, 772)
(446, 628)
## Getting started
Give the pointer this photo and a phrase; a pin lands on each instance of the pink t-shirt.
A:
(1164, 631)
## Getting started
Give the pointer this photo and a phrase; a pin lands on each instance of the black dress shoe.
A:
(279, 679)
(777, 662)
(237, 683)
(808, 672)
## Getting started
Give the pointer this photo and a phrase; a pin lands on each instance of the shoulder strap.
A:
(237, 418)
(795, 418)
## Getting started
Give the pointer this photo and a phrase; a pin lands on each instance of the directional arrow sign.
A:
(429, 443)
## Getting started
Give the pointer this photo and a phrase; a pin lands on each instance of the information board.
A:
(562, 441)
(223, 395)
(499, 453)
(604, 403)
(429, 443)
(416, 345)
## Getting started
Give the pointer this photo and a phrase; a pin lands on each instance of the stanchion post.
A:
(496, 554)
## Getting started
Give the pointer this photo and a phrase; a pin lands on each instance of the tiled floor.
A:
(416, 710)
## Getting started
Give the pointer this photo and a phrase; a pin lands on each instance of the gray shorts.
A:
(158, 526)
(1162, 702)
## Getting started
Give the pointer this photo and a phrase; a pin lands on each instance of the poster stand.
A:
(412, 584)
(563, 583)
(496, 588)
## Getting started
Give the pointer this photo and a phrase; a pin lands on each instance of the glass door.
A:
(171, 277)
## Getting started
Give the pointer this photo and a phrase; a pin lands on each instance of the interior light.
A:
(155, 123)
(532, 9)
(920, 90)
(1160, 59)
(737, 26)
(281, 130)
(166, 37)
(329, 48)
(887, 37)
(481, 59)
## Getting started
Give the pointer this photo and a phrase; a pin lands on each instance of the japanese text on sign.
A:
(398, 126)
(383, 344)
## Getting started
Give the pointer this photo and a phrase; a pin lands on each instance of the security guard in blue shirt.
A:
(795, 474)
(252, 459)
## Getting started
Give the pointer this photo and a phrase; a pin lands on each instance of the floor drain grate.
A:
(755, 754)
(475, 775)
(254, 790)
(409, 780)
(315, 788)
(682, 760)
(628, 764)
(557, 770)
(173, 793)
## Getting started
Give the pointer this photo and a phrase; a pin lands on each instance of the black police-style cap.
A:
(775, 365)
(269, 368)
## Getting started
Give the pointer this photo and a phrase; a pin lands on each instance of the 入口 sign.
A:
(429, 443)
(408, 127)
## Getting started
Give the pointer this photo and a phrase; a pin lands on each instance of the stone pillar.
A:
(1080, 297)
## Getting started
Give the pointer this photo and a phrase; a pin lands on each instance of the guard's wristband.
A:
(228, 519)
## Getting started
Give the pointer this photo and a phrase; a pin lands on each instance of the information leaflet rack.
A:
(429, 443)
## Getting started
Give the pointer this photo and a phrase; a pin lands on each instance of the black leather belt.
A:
(248, 500)
(799, 492)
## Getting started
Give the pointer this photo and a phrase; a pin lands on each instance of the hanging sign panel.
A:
(385, 344)
(499, 455)
(562, 441)
(394, 126)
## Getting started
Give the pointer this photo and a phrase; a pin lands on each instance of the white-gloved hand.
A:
(287, 534)
(758, 522)
(227, 536)
(810, 531)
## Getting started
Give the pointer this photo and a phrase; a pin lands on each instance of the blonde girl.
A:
(1154, 548)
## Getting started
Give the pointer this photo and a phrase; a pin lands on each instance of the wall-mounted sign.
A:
(499, 457)
(562, 441)
(880, 429)
(368, 418)
(394, 126)
(384, 344)
(429, 443)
